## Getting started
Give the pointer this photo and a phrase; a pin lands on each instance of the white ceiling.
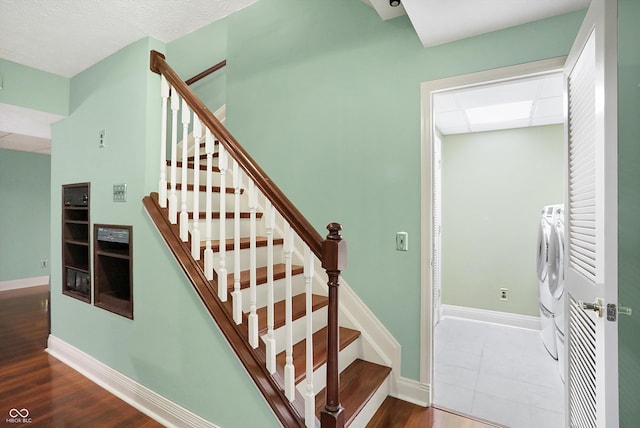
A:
(440, 21)
(545, 94)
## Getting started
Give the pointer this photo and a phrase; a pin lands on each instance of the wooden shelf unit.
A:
(113, 265)
(76, 269)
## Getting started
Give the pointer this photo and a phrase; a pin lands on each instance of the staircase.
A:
(257, 265)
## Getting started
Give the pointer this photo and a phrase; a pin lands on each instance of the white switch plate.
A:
(119, 193)
(402, 241)
(102, 135)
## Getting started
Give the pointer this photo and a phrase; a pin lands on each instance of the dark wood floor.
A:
(57, 396)
(53, 394)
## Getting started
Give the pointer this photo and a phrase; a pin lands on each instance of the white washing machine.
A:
(556, 285)
(547, 324)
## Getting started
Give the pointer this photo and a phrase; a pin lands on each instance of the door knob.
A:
(596, 307)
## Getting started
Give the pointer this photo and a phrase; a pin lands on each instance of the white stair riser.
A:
(279, 291)
(245, 228)
(299, 329)
(215, 177)
(347, 356)
(245, 259)
(215, 201)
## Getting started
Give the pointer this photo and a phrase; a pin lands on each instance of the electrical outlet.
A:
(101, 138)
(402, 241)
(504, 294)
(44, 263)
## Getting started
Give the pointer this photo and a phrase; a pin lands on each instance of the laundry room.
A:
(501, 162)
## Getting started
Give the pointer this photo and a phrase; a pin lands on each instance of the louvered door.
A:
(591, 221)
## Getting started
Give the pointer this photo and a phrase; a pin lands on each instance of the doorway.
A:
(432, 229)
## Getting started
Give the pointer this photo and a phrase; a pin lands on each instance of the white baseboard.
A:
(504, 318)
(142, 398)
(24, 283)
(412, 391)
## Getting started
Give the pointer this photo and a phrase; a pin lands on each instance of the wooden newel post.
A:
(334, 260)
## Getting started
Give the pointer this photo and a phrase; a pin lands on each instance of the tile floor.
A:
(497, 373)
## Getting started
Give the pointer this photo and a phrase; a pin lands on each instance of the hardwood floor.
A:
(398, 413)
(54, 394)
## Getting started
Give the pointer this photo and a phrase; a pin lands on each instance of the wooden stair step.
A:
(299, 310)
(358, 383)
(279, 272)
(261, 241)
(202, 156)
(216, 215)
(347, 336)
(191, 165)
(203, 188)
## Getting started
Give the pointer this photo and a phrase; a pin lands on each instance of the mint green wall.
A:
(35, 89)
(494, 185)
(326, 97)
(25, 181)
(197, 51)
(172, 346)
(629, 207)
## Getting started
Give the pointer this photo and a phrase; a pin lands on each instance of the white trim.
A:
(495, 317)
(412, 391)
(221, 113)
(427, 89)
(24, 283)
(142, 398)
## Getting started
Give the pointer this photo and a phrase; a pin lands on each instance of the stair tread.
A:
(279, 271)
(190, 165)
(216, 215)
(358, 383)
(261, 241)
(298, 311)
(347, 336)
(202, 156)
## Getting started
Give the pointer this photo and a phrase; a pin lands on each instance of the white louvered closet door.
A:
(591, 222)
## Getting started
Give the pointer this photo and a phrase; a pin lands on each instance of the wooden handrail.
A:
(291, 214)
(205, 73)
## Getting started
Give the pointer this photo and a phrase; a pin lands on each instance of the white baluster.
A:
(162, 185)
(289, 371)
(309, 396)
(173, 198)
(223, 165)
(253, 316)
(184, 216)
(270, 341)
(195, 230)
(236, 294)
(208, 252)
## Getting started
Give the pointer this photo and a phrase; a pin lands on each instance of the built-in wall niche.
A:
(76, 270)
(113, 268)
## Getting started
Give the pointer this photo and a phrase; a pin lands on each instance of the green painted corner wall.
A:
(629, 207)
(330, 86)
(34, 89)
(25, 183)
(494, 185)
(171, 346)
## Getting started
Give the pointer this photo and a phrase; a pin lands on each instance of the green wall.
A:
(35, 89)
(629, 207)
(172, 346)
(25, 183)
(335, 91)
(494, 185)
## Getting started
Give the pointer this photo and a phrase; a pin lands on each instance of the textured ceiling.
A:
(65, 37)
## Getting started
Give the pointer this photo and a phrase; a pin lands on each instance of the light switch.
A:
(119, 193)
(402, 241)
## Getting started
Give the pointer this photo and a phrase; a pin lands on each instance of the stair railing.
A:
(331, 252)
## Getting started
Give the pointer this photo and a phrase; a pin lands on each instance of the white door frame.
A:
(427, 90)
